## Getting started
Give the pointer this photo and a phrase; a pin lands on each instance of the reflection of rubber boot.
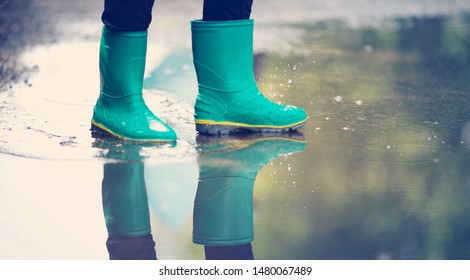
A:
(228, 98)
(120, 109)
(223, 208)
(126, 210)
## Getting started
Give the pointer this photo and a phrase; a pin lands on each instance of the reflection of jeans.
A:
(238, 252)
(131, 248)
(136, 15)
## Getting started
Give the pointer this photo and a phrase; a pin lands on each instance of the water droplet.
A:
(338, 98)
(368, 48)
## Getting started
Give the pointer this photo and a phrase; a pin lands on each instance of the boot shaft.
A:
(223, 54)
(122, 62)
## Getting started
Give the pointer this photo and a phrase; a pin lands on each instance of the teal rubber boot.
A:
(120, 109)
(125, 203)
(223, 207)
(228, 98)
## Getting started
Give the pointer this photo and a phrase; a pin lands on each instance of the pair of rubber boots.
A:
(228, 98)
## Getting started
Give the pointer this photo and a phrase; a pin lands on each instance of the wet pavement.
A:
(380, 171)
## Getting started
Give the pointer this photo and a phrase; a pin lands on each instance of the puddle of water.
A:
(381, 171)
(385, 173)
(50, 119)
(50, 209)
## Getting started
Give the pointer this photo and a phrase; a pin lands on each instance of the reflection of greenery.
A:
(385, 175)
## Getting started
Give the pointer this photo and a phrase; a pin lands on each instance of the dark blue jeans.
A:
(136, 15)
